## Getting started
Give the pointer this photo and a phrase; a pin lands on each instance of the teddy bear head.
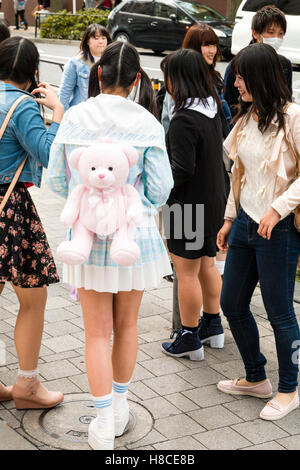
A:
(104, 165)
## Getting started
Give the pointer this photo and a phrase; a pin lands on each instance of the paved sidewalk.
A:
(175, 402)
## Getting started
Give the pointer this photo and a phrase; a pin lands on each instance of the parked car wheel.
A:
(121, 36)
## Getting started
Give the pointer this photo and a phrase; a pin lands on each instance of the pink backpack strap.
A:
(138, 180)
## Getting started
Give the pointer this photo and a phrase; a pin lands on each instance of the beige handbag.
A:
(18, 172)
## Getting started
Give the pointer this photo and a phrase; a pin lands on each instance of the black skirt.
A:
(25, 256)
(185, 234)
(179, 248)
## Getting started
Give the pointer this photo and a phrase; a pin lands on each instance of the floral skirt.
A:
(25, 256)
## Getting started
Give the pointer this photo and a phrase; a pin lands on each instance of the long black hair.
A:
(261, 70)
(92, 31)
(186, 76)
(119, 66)
(19, 61)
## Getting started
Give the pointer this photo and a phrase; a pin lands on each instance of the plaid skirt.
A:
(25, 256)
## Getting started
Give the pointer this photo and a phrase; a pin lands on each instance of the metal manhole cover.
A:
(66, 426)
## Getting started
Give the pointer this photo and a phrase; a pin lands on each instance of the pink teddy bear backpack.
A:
(103, 204)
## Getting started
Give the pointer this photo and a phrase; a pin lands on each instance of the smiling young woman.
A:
(258, 231)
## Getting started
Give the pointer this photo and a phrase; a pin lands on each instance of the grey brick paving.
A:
(260, 431)
(182, 443)
(272, 445)
(10, 440)
(222, 439)
(290, 443)
(177, 426)
(179, 396)
(214, 417)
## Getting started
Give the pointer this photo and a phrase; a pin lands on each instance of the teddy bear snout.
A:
(101, 176)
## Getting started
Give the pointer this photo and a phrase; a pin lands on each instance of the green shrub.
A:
(64, 25)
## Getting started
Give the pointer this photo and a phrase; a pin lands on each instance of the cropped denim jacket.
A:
(25, 134)
(75, 82)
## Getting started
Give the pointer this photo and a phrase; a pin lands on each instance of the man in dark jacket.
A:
(268, 26)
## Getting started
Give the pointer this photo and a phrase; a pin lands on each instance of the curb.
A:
(62, 42)
(29, 34)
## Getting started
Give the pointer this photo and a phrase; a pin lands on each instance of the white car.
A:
(242, 35)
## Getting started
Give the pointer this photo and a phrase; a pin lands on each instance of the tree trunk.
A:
(232, 7)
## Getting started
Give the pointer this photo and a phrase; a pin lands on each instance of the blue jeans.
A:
(273, 263)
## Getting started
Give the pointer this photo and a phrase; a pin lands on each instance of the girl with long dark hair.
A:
(110, 294)
(259, 233)
(194, 144)
(25, 256)
(203, 39)
(75, 80)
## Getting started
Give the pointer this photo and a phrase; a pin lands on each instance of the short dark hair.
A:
(4, 31)
(187, 73)
(91, 31)
(268, 87)
(267, 16)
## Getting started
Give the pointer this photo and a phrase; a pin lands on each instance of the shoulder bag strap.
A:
(19, 170)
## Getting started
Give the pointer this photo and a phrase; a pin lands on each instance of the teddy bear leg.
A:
(124, 250)
(76, 250)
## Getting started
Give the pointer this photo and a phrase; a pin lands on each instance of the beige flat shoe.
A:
(261, 390)
(274, 410)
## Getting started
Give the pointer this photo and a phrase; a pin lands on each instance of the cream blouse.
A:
(269, 175)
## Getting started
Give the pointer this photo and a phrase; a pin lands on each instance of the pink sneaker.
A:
(274, 410)
(261, 390)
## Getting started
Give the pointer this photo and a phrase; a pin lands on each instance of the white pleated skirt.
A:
(102, 274)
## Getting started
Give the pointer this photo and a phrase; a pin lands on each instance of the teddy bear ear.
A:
(75, 156)
(131, 154)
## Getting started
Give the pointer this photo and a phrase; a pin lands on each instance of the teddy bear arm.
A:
(71, 210)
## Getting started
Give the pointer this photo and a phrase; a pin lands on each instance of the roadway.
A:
(149, 61)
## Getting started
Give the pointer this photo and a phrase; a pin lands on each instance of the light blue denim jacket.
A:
(75, 82)
(25, 134)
